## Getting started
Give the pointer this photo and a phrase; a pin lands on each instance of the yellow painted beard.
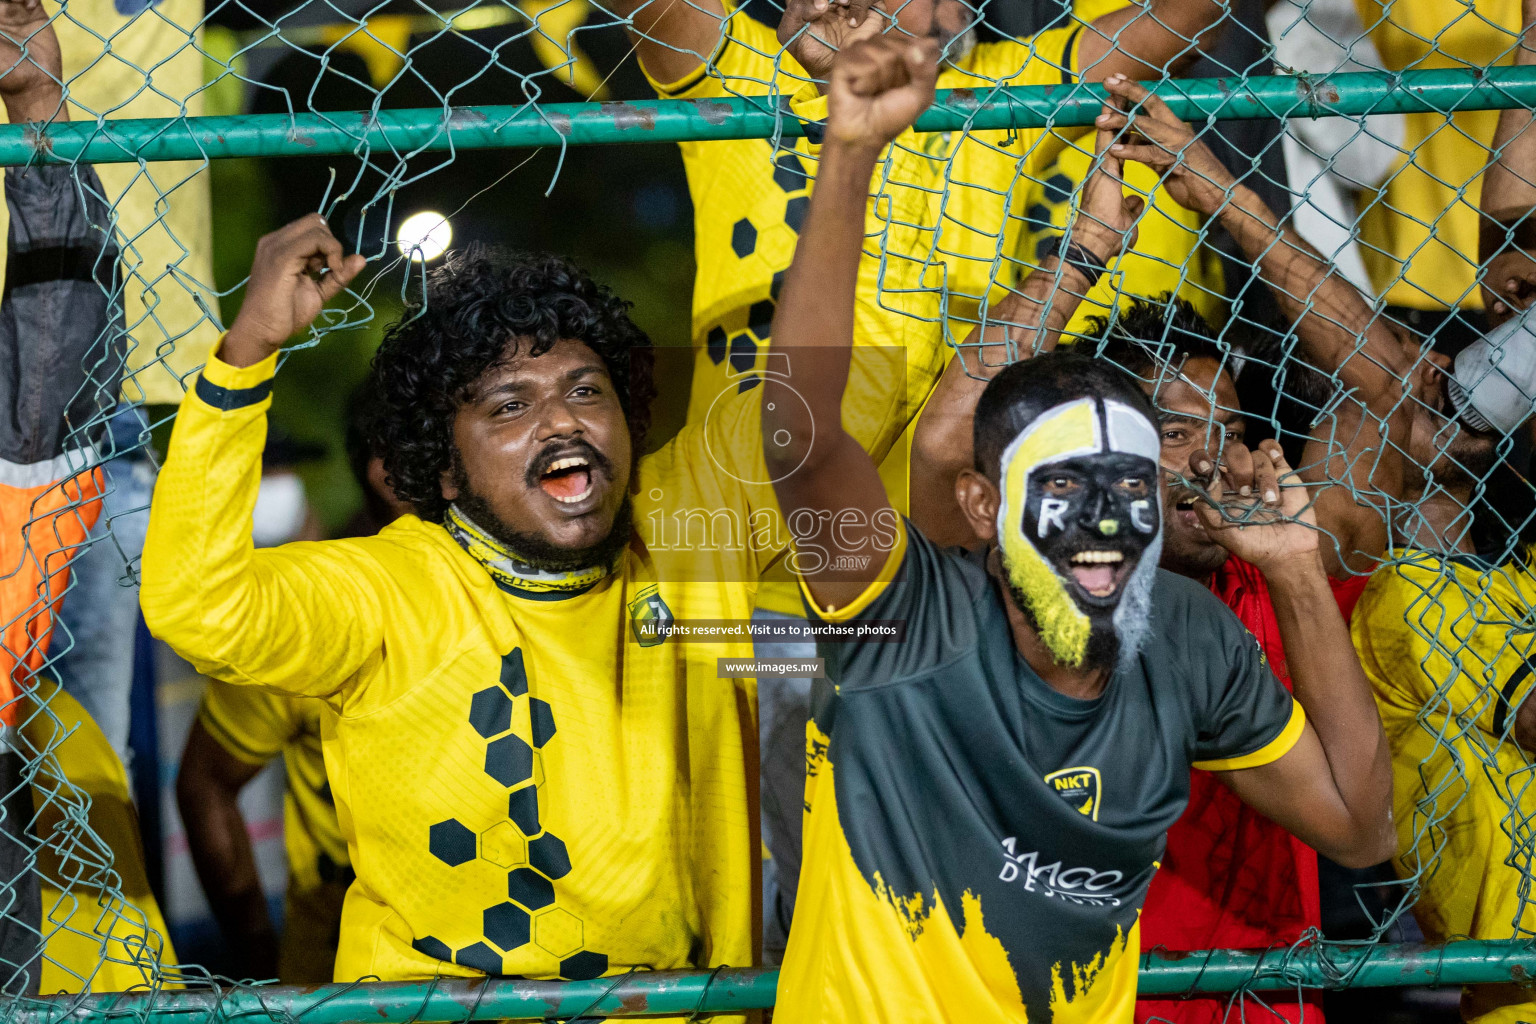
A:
(1063, 627)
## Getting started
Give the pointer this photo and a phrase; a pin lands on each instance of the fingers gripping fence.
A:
(1368, 127)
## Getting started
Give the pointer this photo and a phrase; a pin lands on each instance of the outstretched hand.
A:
(878, 88)
(1150, 134)
(31, 65)
(1265, 516)
(297, 269)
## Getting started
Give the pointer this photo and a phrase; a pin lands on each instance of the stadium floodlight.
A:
(424, 236)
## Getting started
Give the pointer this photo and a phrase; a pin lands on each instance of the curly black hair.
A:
(1149, 332)
(478, 306)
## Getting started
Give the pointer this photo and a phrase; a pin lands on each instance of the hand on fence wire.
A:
(814, 31)
(297, 269)
(31, 65)
(878, 88)
(1152, 135)
(1256, 506)
(1106, 215)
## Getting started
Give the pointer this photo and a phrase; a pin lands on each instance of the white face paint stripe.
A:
(1131, 432)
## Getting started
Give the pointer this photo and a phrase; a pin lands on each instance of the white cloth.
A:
(1327, 158)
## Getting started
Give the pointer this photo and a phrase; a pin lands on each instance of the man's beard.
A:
(534, 551)
(1468, 460)
(1116, 636)
(957, 48)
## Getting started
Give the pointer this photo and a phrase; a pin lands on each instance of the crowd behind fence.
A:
(1369, 125)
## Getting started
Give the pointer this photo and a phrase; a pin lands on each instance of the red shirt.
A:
(1232, 879)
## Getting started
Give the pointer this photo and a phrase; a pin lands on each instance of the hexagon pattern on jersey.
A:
(558, 932)
(490, 711)
(583, 966)
(527, 888)
(451, 843)
(727, 339)
(523, 809)
(743, 352)
(714, 344)
(743, 238)
(509, 760)
(508, 926)
(795, 211)
(789, 172)
(532, 856)
(760, 319)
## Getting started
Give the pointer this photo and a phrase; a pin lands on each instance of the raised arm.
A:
(672, 37)
(1507, 238)
(300, 617)
(1028, 321)
(1148, 40)
(1333, 788)
(1361, 445)
(820, 472)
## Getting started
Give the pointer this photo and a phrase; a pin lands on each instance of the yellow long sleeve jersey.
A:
(526, 787)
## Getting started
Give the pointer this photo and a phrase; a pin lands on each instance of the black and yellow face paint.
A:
(1078, 516)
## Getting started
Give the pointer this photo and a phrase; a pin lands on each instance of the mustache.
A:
(558, 450)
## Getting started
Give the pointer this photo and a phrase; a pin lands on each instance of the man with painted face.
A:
(532, 776)
(950, 204)
(988, 791)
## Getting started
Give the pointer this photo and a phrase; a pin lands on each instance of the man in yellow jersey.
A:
(533, 775)
(239, 729)
(1444, 639)
(990, 788)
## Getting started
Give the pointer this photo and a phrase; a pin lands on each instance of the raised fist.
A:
(297, 269)
(878, 88)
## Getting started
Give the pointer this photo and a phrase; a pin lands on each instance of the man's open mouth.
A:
(1099, 573)
(568, 480)
(1181, 501)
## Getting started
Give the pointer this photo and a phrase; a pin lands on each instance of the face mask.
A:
(1080, 525)
(280, 510)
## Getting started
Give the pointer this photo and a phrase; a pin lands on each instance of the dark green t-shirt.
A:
(958, 772)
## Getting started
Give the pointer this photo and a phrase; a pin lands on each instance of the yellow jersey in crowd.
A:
(1418, 231)
(254, 726)
(104, 929)
(527, 786)
(1446, 644)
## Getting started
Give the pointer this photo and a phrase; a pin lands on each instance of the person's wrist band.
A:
(1077, 257)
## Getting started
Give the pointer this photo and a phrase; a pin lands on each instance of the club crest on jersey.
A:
(650, 619)
(1078, 787)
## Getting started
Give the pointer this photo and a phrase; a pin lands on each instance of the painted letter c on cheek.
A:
(1141, 516)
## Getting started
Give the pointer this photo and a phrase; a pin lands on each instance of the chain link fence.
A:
(1366, 127)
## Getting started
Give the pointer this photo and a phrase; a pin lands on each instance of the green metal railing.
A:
(732, 991)
(554, 124)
